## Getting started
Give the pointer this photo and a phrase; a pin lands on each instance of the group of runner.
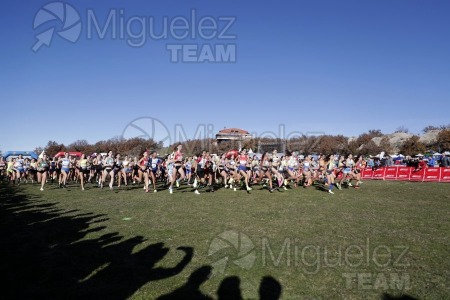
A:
(233, 170)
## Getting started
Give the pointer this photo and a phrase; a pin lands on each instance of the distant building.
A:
(233, 134)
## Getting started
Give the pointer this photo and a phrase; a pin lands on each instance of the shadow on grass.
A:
(46, 255)
(403, 297)
(229, 289)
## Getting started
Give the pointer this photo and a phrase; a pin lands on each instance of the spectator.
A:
(431, 161)
(445, 162)
(370, 163)
(422, 164)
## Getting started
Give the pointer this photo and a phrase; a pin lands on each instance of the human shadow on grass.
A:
(229, 289)
(402, 297)
(47, 253)
(269, 289)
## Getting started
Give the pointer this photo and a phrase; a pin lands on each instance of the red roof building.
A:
(235, 134)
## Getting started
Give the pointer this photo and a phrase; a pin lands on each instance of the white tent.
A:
(437, 154)
(419, 155)
(447, 152)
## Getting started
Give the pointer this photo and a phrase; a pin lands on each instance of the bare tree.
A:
(401, 129)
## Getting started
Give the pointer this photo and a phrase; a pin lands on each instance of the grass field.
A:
(379, 242)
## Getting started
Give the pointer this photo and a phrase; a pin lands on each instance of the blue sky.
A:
(338, 67)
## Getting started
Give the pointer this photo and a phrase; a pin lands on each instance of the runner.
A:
(143, 170)
(275, 165)
(266, 168)
(18, 166)
(98, 170)
(307, 173)
(255, 164)
(53, 170)
(117, 169)
(32, 170)
(330, 167)
(200, 173)
(82, 166)
(11, 171)
(292, 167)
(42, 170)
(231, 166)
(188, 169)
(126, 170)
(2, 167)
(108, 165)
(359, 167)
(347, 171)
(154, 168)
(65, 169)
(178, 164)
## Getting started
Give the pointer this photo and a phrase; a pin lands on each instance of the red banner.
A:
(404, 173)
(379, 173)
(408, 173)
(391, 173)
(367, 173)
(417, 175)
(445, 175)
(432, 174)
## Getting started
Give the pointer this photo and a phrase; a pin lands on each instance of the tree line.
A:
(364, 144)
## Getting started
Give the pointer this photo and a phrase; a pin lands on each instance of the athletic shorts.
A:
(67, 170)
(188, 171)
(242, 168)
(347, 170)
(83, 170)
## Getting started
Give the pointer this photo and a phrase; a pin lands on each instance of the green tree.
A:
(412, 146)
(53, 147)
(443, 140)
